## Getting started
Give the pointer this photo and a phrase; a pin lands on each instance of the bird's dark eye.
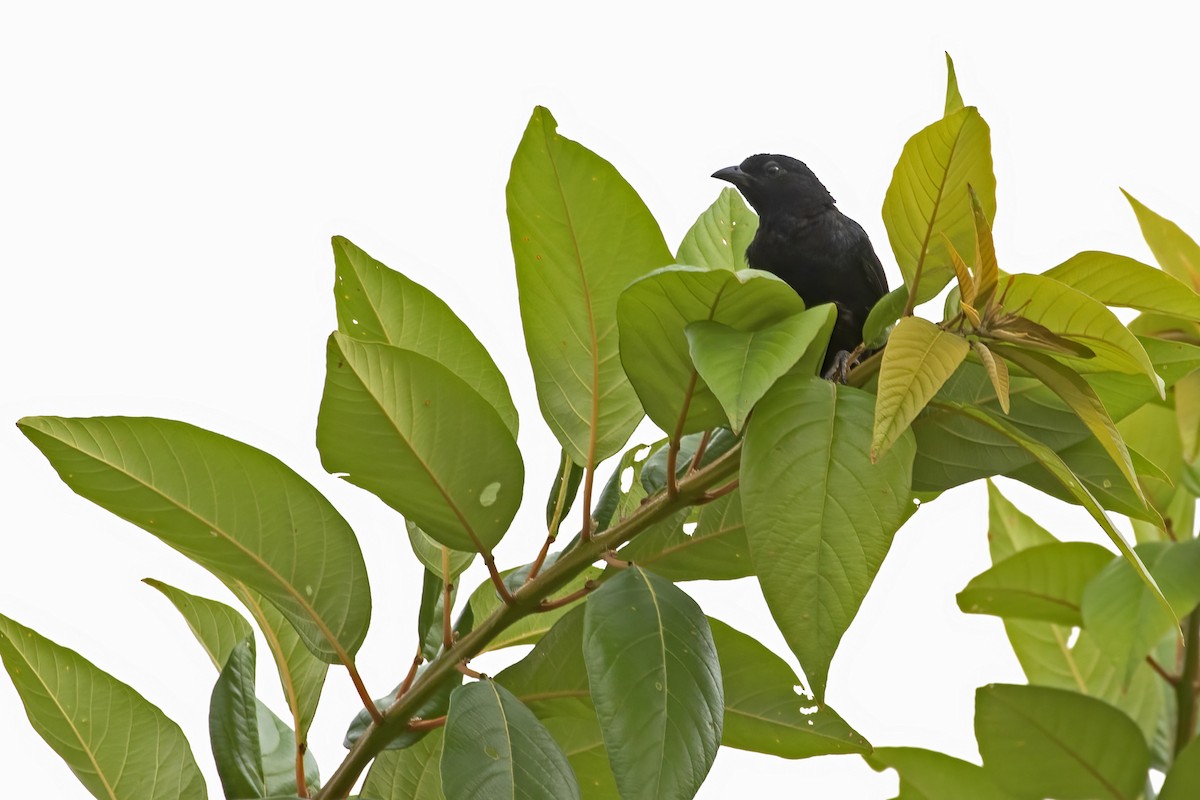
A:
(772, 169)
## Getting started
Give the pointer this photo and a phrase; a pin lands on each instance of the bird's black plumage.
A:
(819, 251)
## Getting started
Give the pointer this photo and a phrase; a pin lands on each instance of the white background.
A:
(170, 178)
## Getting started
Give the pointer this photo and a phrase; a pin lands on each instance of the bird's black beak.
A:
(732, 175)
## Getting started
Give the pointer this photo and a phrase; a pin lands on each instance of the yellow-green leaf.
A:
(928, 197)
(719, 237)
(954, 101)
(1174, 250)
(987, 271)
(1126, 282)
(919, 358)
(997, 372)
(1071, 314)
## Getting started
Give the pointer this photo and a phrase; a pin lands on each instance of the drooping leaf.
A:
(255, 751)
(927, 775)
(740, 366)
(1082, 399)
(1175, 251)
(301, 674)
(495, 747)
(378, 304)
(119, 745)
(656, 683)
(714, 550)
(216, 626)
(1052, 462)
(411, 774)
(430, 619)
(580, 234)
(429, 552)
(819, 514)
(954, 101)
(1126, 282)
(927, 197)
(1053, 743)
(1042, 583)
(883, 315)
(919, 358)
(562, 491)
(763, 711)
(653, 315)
(400, 423)
(231, 508)
(1124, 617)
(1073, 315)
(719, 237)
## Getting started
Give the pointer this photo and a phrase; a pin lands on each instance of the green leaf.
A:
(763, 712)
(120, 746)
(740, 366)
(919, 358)
(411, 774)
(927, 775)
(1053, 743)
(255, 751)
(1122, 281)
(883, 315)
(301, 675)
(400, 424)
(1183, 781)
(377, 304)
(656, 682)
(429, 552)
(1052, 462)
(231, 508)
(820, 515)
(954, 101)
(562, 491)
(495, 747)
(216, 626)
(927, 198)
(1081, 399)
(653, 315)
(1072, 314)
(1123, 615)
(429, 616)
(580, 234)
(719, 237)
(1175, 251)
(715, 550)
(1187, 415)
(1043, 583)
(1045, 651)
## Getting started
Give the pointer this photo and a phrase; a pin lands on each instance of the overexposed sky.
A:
(170, 178)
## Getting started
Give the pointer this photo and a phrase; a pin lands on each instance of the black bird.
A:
(819, 251)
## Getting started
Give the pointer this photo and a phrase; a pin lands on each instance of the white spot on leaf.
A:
(489, 494)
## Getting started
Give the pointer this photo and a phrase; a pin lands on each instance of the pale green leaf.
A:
(719, 237)
(1175, 251)
(954, 101)
(1122, 281)
(429, 552)
(819, 514)
(216, 626)
(410, 431)
(413, 773)
(740, 366)
(233, 509)
(1045, 583)
(378, 304)
(653, 315)
(927, 775)
(580, 234)
(120, 746)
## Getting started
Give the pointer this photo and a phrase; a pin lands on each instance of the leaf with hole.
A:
(398, 423)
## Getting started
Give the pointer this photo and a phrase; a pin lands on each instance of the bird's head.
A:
(778, 183)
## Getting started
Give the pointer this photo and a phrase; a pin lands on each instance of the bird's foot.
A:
(843, 362)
